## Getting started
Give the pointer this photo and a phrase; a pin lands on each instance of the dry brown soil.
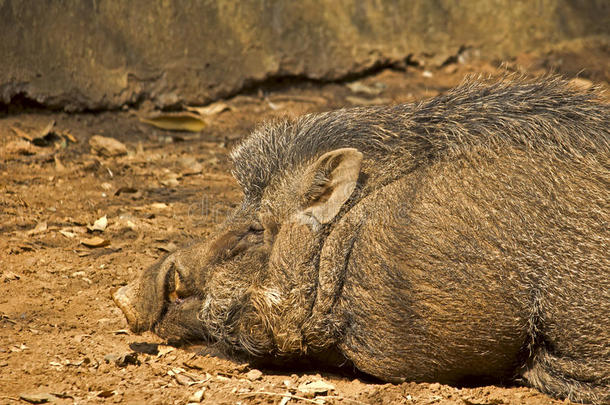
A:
(61, 336)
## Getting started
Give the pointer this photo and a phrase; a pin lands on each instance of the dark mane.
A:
(541, 113)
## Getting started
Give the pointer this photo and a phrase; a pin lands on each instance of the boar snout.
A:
(124, 298)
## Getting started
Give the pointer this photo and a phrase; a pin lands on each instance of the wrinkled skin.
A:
(458, 240)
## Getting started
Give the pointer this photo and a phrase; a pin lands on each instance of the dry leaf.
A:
(47, 129)
(197, 396)
(67, 234)
(9, 275)
(94, 242)
(68, 136)
(359, 87)
(105, 394)
(99, 225)
(22, 134)
(37, 398)
(211, 109)
(163, 350)
(179, 121)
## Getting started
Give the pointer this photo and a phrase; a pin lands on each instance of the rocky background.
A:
(101, 54)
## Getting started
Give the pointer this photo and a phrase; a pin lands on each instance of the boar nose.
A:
(124, 299)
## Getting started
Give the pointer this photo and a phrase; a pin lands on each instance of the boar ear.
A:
(329, 182)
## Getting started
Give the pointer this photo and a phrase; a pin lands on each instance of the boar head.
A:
(251, 285)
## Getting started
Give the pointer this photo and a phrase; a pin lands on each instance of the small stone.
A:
(316, 387)
(107, 147)
(197, 396)
(123, 359)
(254, 375)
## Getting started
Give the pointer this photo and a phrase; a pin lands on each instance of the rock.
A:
(254, 375)
(37, 398)
(247, 42)
(314, 388)
(197, 396)
(107, 147)
(123, 359)
(19, 147)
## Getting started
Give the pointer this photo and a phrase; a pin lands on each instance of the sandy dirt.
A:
(63, 340)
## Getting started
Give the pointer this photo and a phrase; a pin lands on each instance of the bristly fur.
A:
(471, 242)
(546, 112)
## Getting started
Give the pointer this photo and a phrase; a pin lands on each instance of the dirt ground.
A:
(63, 340)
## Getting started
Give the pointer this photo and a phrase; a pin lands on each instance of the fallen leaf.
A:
(107, 147)
(212, 109)
(183, 379)
(37, 398)
(179, 121)
(359, 87)
(67, 234)
(94, 242)
(163, 350)
(105, 394)
(47, 129)
(99, 225)
(197, 395)
(127, 190)
(22, 134)
(68, 136)
(8, 275)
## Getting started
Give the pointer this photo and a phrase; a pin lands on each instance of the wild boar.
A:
(462, 238)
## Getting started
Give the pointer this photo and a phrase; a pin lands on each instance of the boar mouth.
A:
(124, 297)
